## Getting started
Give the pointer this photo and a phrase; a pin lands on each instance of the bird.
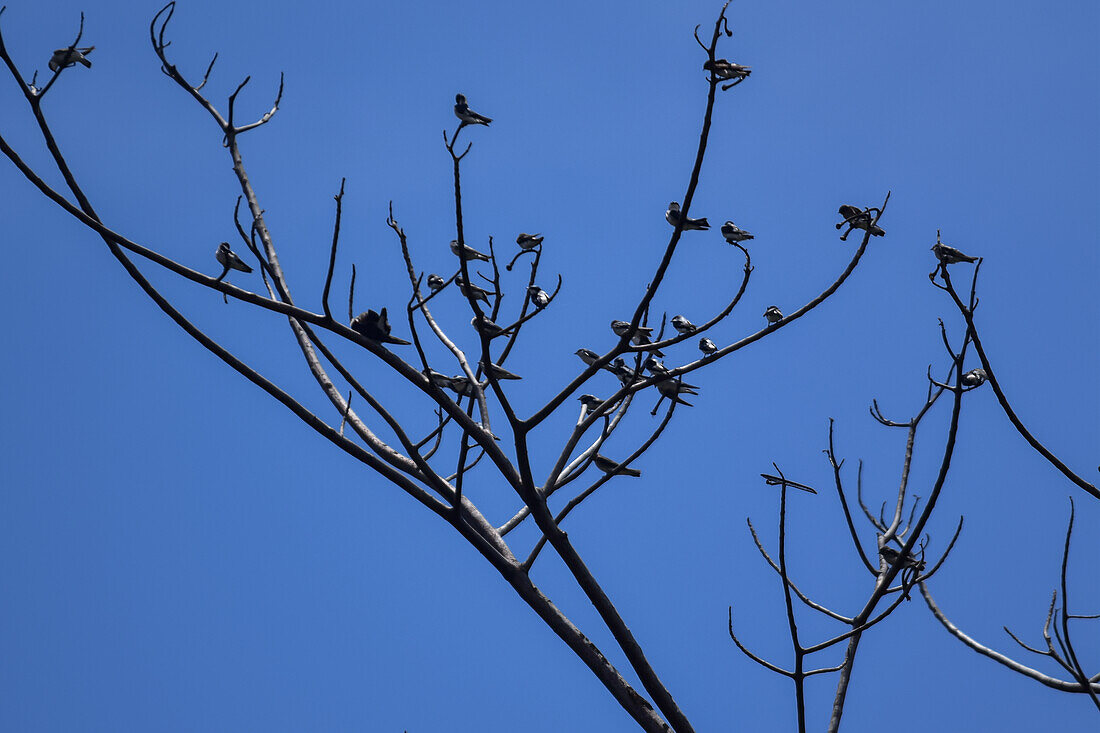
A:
(626, 375)
(724, 69)
(229, 259)
(467, 251)
(497, 371)
(609, 466)
(890, 555)
(975, 377)
(655, 367)
(467, 115)
(734, 233)
(63, 58)
(640, 337)
(673, 388)
(778, 481)
(673, 217)
(435, 282)
(683, 325)
(707, 346)
(462, 386)
(486, 326)
(439, 380)
(590, 401)
(773, 314)
(539, 297)
(376, 327)
(949, 255)
(857, 218)
(529, 241)
(472, 291)
(588, 356)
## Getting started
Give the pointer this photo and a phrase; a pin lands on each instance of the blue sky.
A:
(178, 553)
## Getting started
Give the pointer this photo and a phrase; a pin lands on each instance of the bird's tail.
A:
(877, 230)
(703, 223)
(85, 52)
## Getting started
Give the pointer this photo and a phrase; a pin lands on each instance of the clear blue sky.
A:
(178, 553)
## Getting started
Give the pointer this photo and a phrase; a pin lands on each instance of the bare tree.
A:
(479, 421)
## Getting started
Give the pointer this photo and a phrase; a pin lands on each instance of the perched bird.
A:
(529, 241)
(949, 255)
(498, 371)
(723, 69)
(734, 233)
(707, 346)
(857, 218)
(376, 327)
(467, 115)
(974, 377)
(591, 402)
(63, 58)
(539, 297)
(673, 217)
(640, 337)
(472, 291)
(439, 380)
(626, 375)
(655, 367)
(609, 466)
(683, 325)
(890, 555)
(228, 259)
(778, 481)
(467, 251)
(486, 326)
(435, 282)
(673, 388)
(587, 356)
(462, 386)
(773, 314)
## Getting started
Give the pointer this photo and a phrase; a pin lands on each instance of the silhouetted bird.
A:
(498, 371)
(773, 314)
(63, 58)
(469, 252)
(462, 386)
(486, 326)
(890, 555)
(673, 388)
(949, 255)
(472, 290)
(539, 297)
(467, 115)
(673, 217)
(683, 325)
(228, 259)
(640, 337)
(590, 402)
(857, 218)
(609, 466)
(435, 282)
(974, 377)
(723, 69)
(778, 481)
(529, 241)
(734, 233)
(707, 346)
(439, 380)
(587, 356)
(655, 367)
(376, 327)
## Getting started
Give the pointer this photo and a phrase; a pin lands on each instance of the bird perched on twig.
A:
(439, 380)
(890, 555)
(734, 234)
(591, 402)
(588, 356)
(497, 371)
(229, 260)
(683, 325)
(609, 466)
(63, 58)
(625, 374)
(673, 388)
(975, 377)
(723, 69)
(472, 291)
(779, 481)
(529, 241)
(486, 326)
(707, 346)
(949, 255)
(640, 337)
(462, 386)
(673, 217)
(376, 327)
(467, 115)
(655, 367)
(539, 297)
(857, 218)
(435, 282)
(467, 251)
(773, 314)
